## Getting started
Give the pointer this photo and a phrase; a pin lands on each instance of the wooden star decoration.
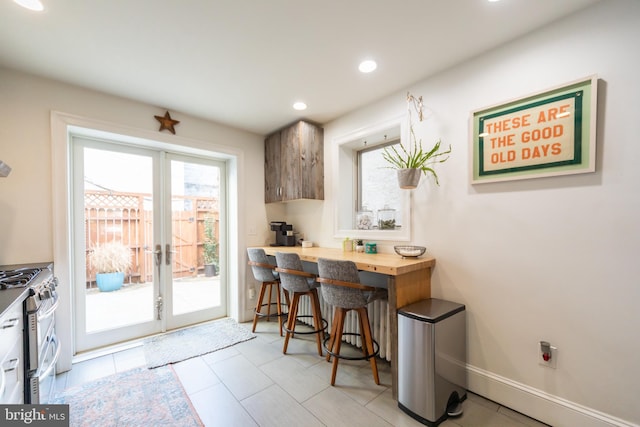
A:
(166, 122)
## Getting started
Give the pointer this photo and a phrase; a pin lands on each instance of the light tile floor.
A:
(254, 384)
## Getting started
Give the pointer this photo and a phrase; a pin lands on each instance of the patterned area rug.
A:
(139, 397)
(186, 343)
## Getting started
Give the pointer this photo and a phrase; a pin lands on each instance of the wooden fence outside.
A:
(127, 218)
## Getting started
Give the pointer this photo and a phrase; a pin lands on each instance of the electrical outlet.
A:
(551, 356)
(252, 293)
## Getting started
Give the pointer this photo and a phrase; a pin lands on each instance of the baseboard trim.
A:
(542, 406)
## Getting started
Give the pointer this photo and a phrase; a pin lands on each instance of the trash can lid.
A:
(431, 310)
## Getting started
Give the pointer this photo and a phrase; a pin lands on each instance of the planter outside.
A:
(408, 179)
(210, 270)
(108, 282)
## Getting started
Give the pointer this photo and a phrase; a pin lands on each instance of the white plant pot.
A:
(408, 179)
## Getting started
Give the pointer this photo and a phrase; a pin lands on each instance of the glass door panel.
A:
(115, 195)
(196, 238)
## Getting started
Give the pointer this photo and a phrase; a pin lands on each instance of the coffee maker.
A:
(284, 234)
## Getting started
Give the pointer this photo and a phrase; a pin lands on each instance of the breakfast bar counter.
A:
(408, 280)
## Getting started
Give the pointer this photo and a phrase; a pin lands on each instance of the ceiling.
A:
(243, 63)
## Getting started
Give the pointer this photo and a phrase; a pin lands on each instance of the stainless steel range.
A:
(42, 348)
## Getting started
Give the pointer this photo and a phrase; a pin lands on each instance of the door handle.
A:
(158, 255)
(169, 252)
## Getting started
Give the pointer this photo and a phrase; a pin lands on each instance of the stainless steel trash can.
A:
(432, 357)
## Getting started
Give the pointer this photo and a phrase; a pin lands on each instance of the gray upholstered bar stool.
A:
(342, 289)
(265, 273)
(299, 283)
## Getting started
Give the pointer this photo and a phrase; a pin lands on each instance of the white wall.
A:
(27, 198)
(543, 259)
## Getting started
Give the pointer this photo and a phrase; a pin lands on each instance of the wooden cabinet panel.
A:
(294, 163)
(272, 169)
(291, 142)
(312, 162)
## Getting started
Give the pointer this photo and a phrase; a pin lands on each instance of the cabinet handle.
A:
(13, 364)
(10, 323)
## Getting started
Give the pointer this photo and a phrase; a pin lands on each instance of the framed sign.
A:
(544, 134)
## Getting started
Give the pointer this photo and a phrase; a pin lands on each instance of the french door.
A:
(159, 215)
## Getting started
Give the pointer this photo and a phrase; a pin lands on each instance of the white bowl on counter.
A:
(410, 251)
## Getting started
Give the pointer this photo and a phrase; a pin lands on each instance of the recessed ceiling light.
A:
(300, 106)
(367, 66)
(31, 4)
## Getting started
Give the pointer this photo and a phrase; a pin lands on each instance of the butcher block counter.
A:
(407, 280)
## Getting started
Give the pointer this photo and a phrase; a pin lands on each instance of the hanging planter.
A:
(408, 179)
(411, 159)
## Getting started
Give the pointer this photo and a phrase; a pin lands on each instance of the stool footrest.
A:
(269, 315)
(314, 331)
(363, 357)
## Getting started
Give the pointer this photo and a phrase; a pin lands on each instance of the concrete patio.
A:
(134, 303)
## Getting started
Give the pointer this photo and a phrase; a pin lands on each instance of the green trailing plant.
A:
(413, 155)
(111, 257)
(210, 244)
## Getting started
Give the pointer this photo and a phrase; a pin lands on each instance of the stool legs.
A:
(335, 339)
(291, 320)
(258, 310)
(317, 318)
(293, 314)
(367, 339)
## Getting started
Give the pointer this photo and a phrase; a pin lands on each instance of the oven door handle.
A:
(51, 309)
(46, 370)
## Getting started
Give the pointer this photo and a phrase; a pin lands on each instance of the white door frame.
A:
(62, 124)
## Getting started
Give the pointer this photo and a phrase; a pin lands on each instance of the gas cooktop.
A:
(23, 275)
(18, 278)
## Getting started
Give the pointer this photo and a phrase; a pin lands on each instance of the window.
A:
(378, 190)
(363, 179)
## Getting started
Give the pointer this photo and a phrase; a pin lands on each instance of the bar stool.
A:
(299, 283)
(342, 289)
(266, 274)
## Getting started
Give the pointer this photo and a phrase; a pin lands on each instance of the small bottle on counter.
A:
(347, 245)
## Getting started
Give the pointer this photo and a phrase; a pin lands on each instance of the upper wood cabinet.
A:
(294, 163)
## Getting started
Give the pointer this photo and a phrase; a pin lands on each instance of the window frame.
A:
(345, 153)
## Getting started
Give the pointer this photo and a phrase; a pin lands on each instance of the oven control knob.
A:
(45, 294)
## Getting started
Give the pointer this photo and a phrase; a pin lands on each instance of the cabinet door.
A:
(272, 169)
(290, 162)
(294, 165)
(311, 161)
